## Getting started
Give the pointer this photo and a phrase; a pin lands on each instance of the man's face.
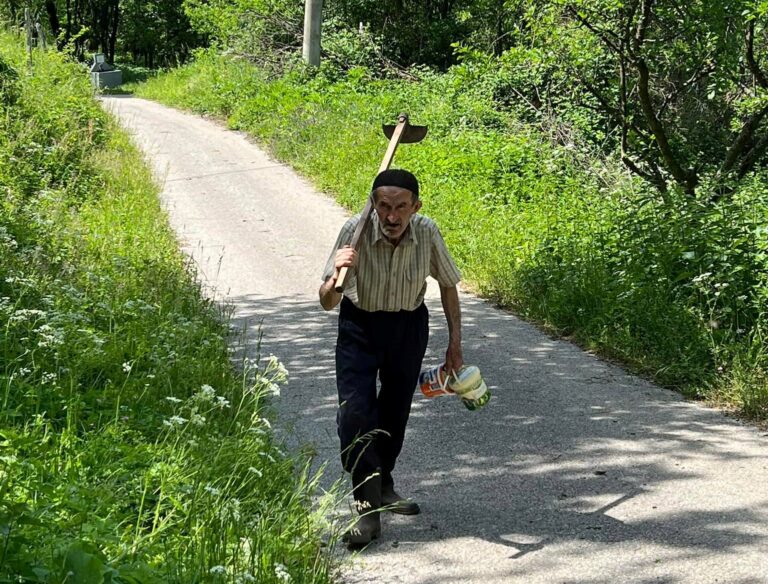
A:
(394, 206)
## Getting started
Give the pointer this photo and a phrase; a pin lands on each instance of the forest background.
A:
(598, 167)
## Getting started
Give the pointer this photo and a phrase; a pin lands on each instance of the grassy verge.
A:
(130, 450)
(674, 287)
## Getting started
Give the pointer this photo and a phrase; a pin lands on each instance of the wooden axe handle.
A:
(365, 218)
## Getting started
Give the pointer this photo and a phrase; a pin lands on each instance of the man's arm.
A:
(329, 298)
(454, 358)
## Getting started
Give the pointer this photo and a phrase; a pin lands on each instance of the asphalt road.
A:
(574, 472)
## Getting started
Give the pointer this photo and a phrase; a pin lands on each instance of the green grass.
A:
(674, 288)
(131, 450)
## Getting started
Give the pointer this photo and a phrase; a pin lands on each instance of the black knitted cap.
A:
(397, 178)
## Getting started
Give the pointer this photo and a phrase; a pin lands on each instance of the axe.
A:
(402, 132)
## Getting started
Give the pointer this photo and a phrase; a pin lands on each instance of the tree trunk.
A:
(53, 20)
(68, 30)
(113, 29)
(14, 10)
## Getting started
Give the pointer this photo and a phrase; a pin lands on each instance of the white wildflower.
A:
(198, 420)
(273, 389)
(175, 421)
(127, 367)
(282, 573)
(207, 392)
(218, 570)
(222, 402)
(24, 314)
(234, 509)
(702, 277)
(49, 336)
(173, 400)
(212, 490)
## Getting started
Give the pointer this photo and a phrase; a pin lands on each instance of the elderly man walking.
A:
(383, 331)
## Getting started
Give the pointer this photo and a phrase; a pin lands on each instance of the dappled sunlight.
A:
(571, 458)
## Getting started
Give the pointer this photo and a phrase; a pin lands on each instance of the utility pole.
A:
(312, 21)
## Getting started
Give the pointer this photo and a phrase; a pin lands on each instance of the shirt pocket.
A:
(417, 272)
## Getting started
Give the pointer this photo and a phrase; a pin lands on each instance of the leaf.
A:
(84, 564)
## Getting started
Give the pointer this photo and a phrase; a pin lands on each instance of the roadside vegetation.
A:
(627, 212)
(131, 450)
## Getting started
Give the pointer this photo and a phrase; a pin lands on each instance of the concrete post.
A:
(41, 40)
(312, 21)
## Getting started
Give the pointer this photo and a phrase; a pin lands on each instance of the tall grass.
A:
(130, 448)
(675, 287)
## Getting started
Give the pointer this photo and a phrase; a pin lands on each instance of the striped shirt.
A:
(393, 278)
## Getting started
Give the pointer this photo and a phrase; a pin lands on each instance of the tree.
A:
(412, 31)
(259, 29)
(683, 83)
(156, 32)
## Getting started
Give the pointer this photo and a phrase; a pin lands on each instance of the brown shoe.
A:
(364, 531)
(368, 501)
(393, 502)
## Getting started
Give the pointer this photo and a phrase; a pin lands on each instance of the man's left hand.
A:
(454, 358)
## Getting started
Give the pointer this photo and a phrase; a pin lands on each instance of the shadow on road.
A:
(569, 449)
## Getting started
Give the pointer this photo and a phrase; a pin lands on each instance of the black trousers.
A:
(389, 345)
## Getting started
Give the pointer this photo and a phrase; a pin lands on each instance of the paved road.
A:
(575, 472)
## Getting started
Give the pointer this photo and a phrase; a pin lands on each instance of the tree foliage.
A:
(157, 32)
(683, 84)
(255, 28)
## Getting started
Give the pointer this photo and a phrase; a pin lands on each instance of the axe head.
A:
(410, 135)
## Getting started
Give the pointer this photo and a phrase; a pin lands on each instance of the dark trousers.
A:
(391, 345)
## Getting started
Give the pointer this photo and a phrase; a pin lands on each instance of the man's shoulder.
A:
(351, 223)
(424, 225)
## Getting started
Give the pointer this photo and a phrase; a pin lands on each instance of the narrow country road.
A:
(575, 471)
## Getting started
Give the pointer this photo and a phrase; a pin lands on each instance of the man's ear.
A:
(417, 206)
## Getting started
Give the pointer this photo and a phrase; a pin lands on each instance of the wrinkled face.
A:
(395, 207)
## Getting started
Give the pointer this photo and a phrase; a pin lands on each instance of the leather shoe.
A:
(367, 494)
(393, 502)
(364, 531)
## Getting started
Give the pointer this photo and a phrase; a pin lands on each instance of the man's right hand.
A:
(346, 257)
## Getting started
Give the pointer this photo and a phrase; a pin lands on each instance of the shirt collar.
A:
(377, 234)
